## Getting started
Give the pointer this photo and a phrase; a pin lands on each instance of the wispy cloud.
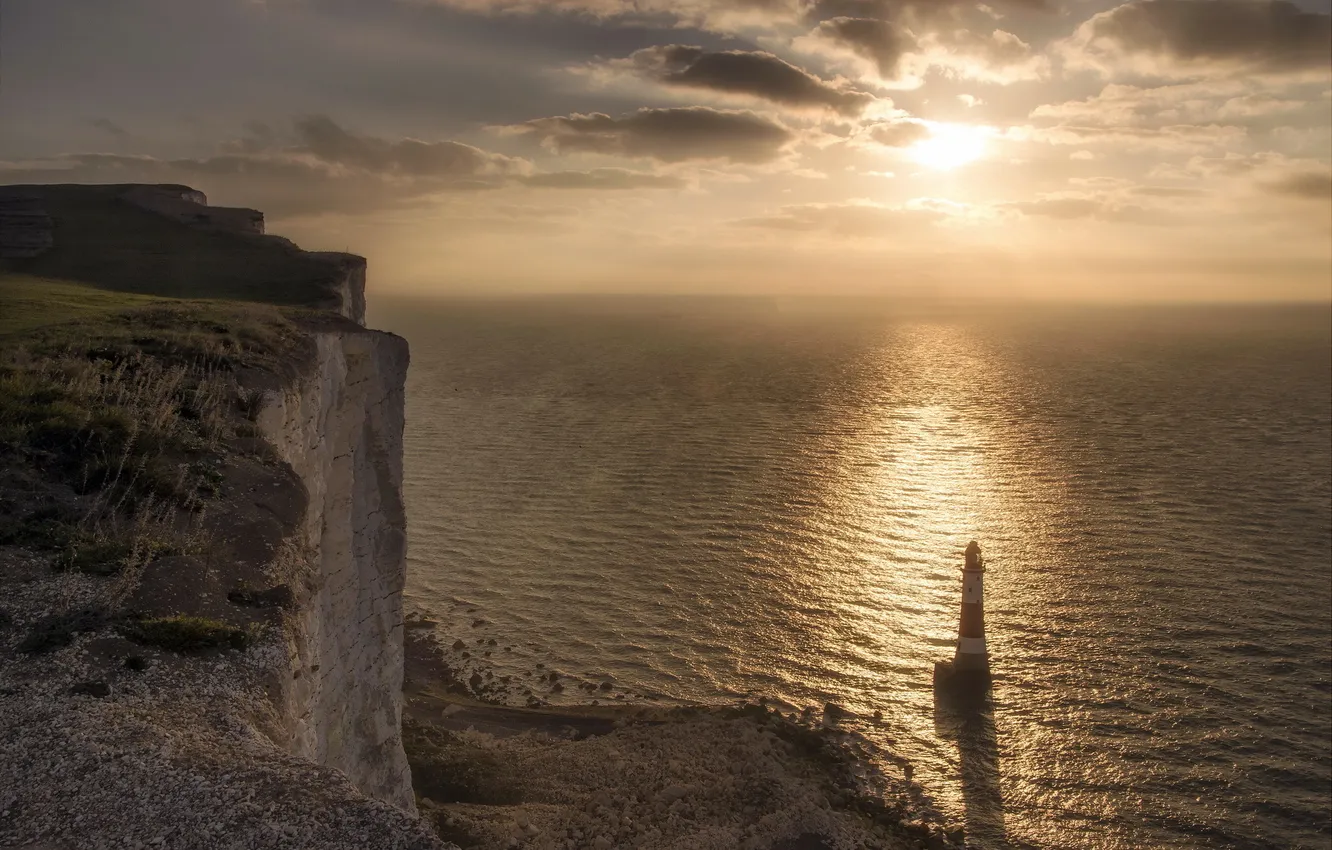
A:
(666, 135)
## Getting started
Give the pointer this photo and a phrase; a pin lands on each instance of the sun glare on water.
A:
(950, 146)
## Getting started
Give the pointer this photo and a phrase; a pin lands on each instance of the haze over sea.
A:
(712, 499)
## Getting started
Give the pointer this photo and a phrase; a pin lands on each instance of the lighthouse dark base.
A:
(964, 684)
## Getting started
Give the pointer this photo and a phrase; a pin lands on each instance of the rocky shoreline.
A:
(496, 777)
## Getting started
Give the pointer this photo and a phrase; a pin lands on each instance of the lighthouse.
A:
(969, 671)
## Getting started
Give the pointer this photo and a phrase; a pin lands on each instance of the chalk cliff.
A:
(294, 742)
(340, 428)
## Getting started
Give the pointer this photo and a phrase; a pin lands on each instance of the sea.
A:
(726, 499)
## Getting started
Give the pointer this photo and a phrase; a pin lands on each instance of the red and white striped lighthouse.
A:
(969, 671)
(971, 652)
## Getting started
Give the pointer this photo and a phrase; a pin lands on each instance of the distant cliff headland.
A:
(202, 557)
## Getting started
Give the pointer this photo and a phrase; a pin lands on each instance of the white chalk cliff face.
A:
(349, 284)
(340, 428)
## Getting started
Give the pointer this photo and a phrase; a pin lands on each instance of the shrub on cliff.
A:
(188, 634)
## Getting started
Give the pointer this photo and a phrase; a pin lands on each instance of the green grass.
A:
(28, 302)
(236, 335)
(187, 634)
(178, 633)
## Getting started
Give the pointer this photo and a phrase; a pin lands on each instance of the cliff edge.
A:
(202, 535)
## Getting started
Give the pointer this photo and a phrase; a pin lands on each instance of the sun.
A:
(950, 146)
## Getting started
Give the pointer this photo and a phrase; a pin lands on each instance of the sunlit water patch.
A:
(715, 501)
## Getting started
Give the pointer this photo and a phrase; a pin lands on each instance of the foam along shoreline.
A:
(605, 777)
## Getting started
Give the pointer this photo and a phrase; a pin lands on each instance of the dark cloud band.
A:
(755, 74)
(1174, 36)
(884, 43)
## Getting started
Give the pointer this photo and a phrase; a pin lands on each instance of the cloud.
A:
(995, 57)
(1229, 164)
(1268, 171)
(1174, 137)
(666, 135)
(703, 13)
(917, 10)
(1059, 207)
(1168, 192)
(1314, 185)
(111, 128)
(604, 178)
(1264, 166)
(1260, 188)
(321, 167)
(1103, 206)
(755, 74)
(879, 35)
(884, 44)
(902, 46)
(854, 219)
(734, 13)
(1195, 103)
(280, 187)
(899, 134)
(322, 138)
(1185, 38)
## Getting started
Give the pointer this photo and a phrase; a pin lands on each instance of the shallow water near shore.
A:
(707, 500)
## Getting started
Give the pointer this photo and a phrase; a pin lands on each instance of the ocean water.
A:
(713, 499)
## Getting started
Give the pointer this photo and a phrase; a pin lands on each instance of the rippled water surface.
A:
(707, 500)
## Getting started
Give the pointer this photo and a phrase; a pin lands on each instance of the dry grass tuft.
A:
(132, 413)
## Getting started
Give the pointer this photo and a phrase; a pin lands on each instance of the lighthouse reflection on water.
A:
(964, 712)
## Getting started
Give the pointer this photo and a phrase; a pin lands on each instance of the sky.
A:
(1157, 150)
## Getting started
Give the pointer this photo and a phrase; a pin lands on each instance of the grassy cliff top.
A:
(134, 350)
(109, 254)
(28, 302)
